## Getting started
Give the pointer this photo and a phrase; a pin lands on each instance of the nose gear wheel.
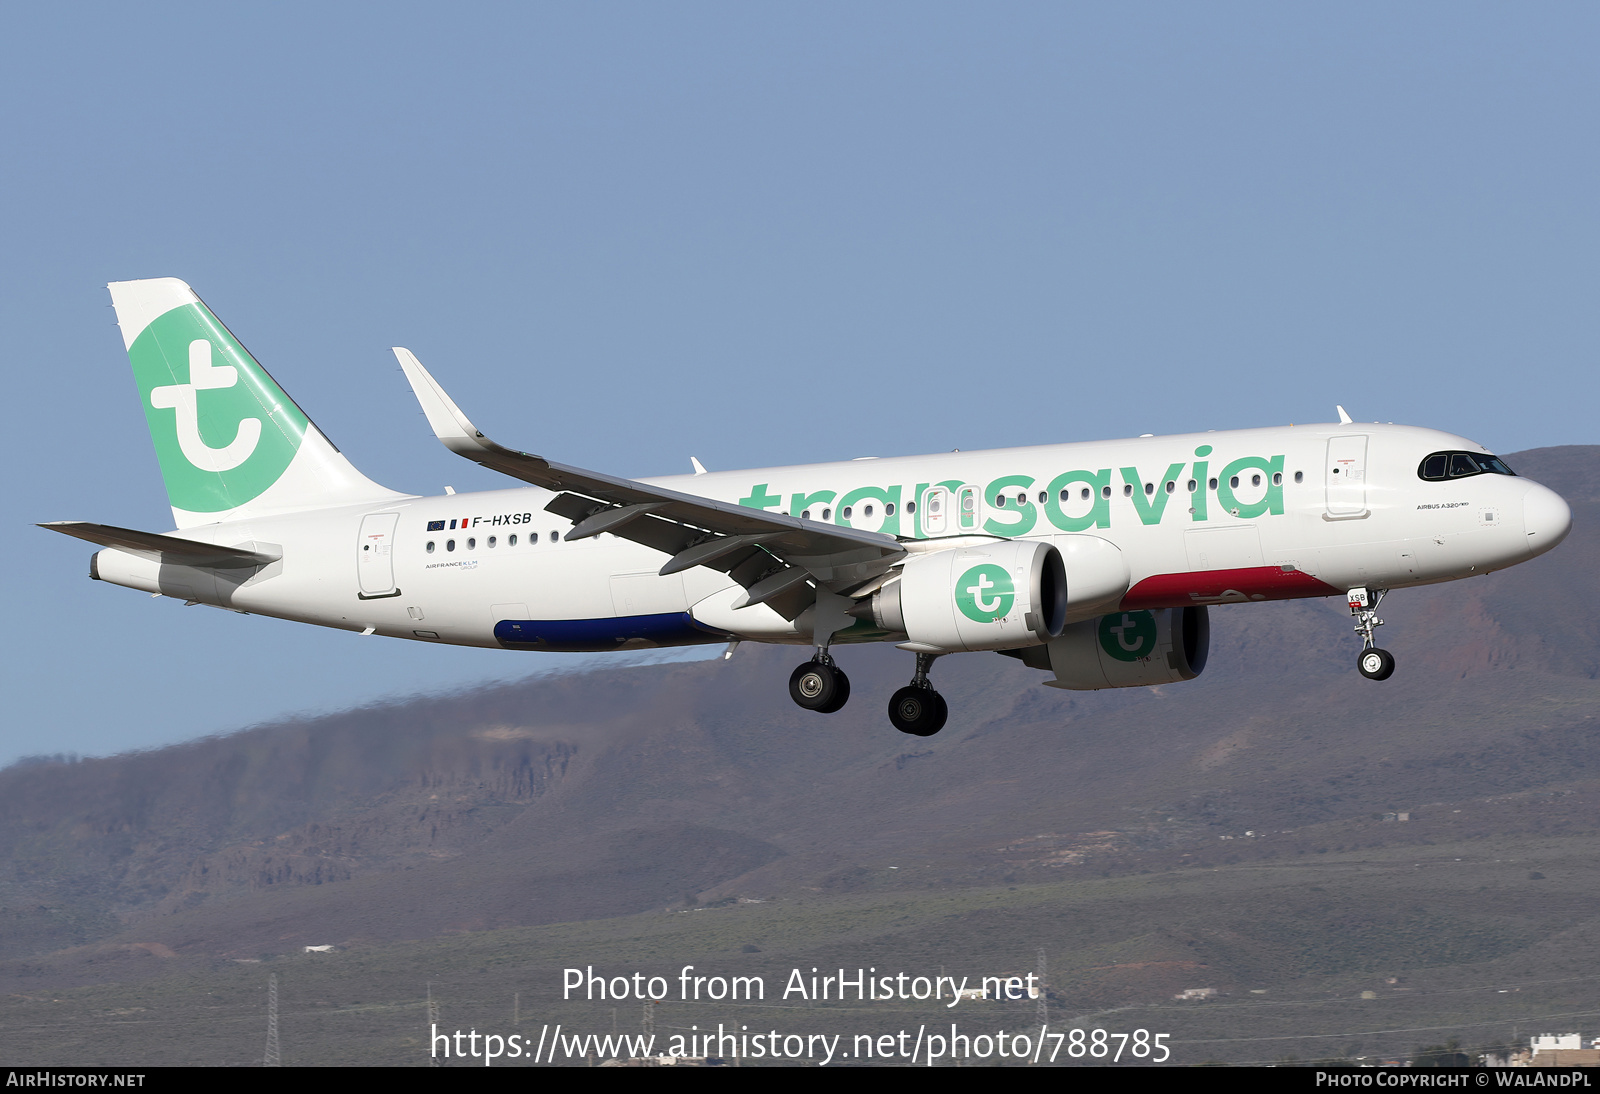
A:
(1376, 664)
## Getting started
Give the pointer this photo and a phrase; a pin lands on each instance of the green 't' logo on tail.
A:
(224, 431)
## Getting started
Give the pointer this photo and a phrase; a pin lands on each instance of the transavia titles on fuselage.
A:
(1093, 562)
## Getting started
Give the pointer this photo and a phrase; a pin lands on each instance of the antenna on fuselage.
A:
(1344, 419)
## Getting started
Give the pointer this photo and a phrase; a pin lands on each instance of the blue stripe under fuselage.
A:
(596, 635)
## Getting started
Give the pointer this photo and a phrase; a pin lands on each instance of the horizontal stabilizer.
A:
(164, 549)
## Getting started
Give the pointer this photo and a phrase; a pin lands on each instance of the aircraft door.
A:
(1347, 477)
(375, 556)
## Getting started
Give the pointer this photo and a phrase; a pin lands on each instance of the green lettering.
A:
(1152, 506)
(891, 496)
(1099, 514)
(1271, 501)
(1021, 518)
(760, 499)
(799, 503)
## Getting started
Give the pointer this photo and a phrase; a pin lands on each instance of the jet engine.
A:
(990, 596)
(1125, 650)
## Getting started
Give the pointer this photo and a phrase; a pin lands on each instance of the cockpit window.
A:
(1459, 465)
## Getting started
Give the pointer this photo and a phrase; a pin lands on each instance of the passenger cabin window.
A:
(1459, 465)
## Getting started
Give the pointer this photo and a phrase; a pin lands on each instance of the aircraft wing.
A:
(163, 549)
(778, 559)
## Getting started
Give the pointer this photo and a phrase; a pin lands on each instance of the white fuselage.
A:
(1198, 519)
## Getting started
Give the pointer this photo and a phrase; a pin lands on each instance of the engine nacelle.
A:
(1126, 650)
(1097, 574)
(989, 596)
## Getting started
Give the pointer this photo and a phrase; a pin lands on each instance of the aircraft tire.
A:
(1376, 664)
(841, 693)
(920, 712)
(814, 685)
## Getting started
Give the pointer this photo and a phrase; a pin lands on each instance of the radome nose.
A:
(1546, 518)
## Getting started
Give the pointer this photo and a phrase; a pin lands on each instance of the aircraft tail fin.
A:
(231, 443)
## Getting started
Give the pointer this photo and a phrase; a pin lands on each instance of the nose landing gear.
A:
(1374, 664)
(916, 708)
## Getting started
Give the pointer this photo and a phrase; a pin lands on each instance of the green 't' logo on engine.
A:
(1128, 636)
(223, 429)
(985, 593)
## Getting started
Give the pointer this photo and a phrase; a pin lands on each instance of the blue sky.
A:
(622, 235)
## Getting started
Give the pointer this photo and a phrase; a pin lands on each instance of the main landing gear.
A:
(1375, 664)
(916, 708)
(820, 685)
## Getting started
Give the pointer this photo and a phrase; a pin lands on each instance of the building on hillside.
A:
(1563, 1050)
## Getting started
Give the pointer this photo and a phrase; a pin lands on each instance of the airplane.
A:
(1096, 563)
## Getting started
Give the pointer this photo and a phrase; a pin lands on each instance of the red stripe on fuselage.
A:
(1224, 587)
